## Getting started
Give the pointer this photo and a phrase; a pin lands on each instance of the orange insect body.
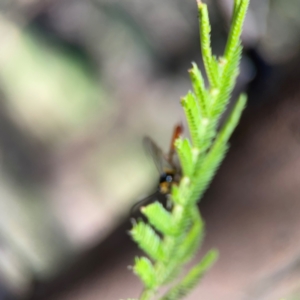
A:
(170, 174)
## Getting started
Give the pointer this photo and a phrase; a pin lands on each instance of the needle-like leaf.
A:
(173, 236)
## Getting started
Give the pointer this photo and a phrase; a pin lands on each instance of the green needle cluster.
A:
(171, 238)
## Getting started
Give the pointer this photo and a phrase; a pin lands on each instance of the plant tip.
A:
(199, 2)
(182, 99)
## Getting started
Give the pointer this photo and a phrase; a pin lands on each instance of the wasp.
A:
(167, 165)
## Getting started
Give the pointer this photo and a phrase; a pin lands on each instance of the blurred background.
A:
(81, 83)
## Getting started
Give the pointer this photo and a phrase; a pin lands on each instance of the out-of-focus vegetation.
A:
(81, 82)
(58, 88)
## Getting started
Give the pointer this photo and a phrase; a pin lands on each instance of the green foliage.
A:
(144, 269)
(192, 239)
(171, 239)
(160, 219)
(192, 278)
(185, 154)
(148, 240)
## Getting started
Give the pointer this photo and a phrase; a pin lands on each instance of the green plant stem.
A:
(147, 295)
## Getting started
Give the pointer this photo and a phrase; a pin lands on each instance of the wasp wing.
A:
(161, 162)
(145, 201)
(156, 196)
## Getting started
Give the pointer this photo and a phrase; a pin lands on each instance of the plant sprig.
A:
(181, 230)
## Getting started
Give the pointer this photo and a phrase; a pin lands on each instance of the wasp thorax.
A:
(165, 182)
